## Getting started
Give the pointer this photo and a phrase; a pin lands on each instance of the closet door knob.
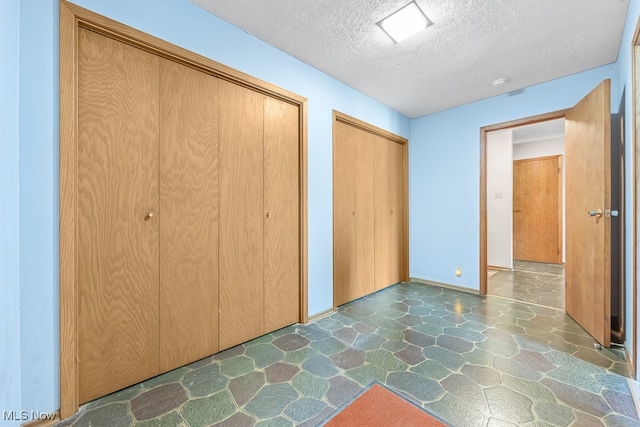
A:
(596, 213)
(149, 216)
(268, 214)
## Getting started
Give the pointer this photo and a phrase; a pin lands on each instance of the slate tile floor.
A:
(534, 282)
(471, 360)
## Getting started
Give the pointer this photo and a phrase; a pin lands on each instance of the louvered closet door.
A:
(241, 214)
(189, 215)
(281, 217)
(117, 240)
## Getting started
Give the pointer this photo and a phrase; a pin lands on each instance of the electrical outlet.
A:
(459, 271)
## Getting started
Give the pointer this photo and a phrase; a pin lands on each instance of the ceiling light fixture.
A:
(404, 22)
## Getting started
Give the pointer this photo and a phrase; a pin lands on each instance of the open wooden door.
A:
(588, 203)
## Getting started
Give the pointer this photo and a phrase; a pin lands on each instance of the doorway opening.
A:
(500, 130)
(594, 224)
(525, 213)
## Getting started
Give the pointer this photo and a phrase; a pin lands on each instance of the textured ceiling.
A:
(454, 62)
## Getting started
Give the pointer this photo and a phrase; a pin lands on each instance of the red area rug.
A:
(378, 406)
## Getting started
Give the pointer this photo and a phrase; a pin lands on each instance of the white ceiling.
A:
(453, 62)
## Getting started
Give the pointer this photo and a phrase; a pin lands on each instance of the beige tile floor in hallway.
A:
(469, 359)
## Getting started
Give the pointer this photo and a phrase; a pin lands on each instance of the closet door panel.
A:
(281, 218)
(383, 267)
(188, 215)
(344, 214)
(365, 215)
(118, 267)
(397, 244)
(241, 215)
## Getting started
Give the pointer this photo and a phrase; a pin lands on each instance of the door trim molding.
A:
(635, 148)
(483, 180)
(72, 18)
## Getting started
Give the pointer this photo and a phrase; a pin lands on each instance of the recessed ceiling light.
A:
(405, 22)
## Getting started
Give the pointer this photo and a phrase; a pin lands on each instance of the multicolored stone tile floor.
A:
(534, 282)
(470, 360)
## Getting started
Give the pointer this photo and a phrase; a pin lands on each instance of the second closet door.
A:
(353, 254)
(344, 215)
(368, 210)
(365, 215)
(241, 214)
(281, 218)
(389, 211)
(189, 215)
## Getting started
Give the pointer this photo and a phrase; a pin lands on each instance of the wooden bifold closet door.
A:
(188, 214)
(182, 194)
(118, 246)
(282, 215)
(241, 214)
(259, 198)
(148, 215)
(369, 194)
(389, 212)
(353, 260)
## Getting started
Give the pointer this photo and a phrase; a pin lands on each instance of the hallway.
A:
(532, 282)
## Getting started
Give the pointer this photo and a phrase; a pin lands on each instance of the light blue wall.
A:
(444, 167)
(10, 384)
(444, 172)
(188, 26)
(625, 83)
(39, 204)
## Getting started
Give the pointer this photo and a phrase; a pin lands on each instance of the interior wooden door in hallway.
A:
(537, 209)
(588, 188)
